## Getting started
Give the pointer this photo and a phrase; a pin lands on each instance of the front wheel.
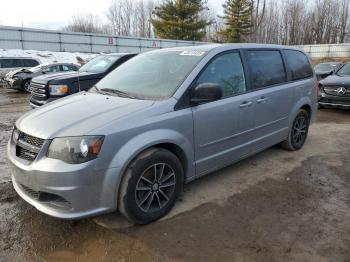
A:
(26, 86)
(298, 132)
(150, 186)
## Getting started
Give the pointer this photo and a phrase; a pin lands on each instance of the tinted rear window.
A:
(29, 63)
(299, 64)
(267, 68)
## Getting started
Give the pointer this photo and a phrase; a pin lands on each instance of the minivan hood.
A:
(78, 115)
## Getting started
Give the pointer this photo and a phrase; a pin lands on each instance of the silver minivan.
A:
(158, 121)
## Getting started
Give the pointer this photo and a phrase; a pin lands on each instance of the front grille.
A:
(39, 91)
(32, 193)
(337, 91)
(49, 198)
(27, 146)
(32, 140)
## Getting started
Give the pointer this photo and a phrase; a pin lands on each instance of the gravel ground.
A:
(275, 206)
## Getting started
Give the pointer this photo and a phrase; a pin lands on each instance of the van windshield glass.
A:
(151, 75)
(99, 64)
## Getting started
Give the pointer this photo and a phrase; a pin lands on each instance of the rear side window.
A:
(227, 71)
(10, 63)
(29, 63)
(299, 64)
(267, 68)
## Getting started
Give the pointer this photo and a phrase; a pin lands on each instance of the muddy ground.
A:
(275, 206)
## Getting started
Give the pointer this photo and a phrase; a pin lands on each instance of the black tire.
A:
(26, 86)
(320, 106)
(144, 198)
(298, 131)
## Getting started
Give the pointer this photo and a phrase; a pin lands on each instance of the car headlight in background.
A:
(58, 90)
(75, 150)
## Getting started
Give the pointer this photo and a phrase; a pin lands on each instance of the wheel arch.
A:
(166, 139)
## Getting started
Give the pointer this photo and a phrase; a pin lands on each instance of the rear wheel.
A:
(150, 186)
(298, 132)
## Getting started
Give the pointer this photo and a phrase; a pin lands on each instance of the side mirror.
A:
(206, 92)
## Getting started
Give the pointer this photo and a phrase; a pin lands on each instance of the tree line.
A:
(289, 22)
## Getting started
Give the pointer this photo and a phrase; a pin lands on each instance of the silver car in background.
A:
(160, 120)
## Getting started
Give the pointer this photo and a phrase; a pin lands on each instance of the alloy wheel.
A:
(300, 130)
(155, 187)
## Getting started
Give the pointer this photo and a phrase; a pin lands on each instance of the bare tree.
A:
(86, 23)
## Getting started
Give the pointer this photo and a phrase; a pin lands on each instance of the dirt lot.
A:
(276, 206)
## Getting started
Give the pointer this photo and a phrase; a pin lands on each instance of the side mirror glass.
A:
(206, 92)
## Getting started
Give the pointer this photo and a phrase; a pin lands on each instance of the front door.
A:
(223, 128)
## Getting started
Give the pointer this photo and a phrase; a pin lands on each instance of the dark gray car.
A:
(21, 79)
(160, 120)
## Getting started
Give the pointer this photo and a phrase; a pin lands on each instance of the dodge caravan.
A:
(158, 121)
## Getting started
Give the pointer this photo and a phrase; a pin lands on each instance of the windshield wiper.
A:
(118, 92)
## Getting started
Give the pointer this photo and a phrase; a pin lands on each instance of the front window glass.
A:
(344, 71)
(227, 71)
(151, 75)
(99, 64)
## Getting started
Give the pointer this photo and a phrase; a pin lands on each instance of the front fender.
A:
(141, 142)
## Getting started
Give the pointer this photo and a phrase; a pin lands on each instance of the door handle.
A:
(245, 104)
(261, 100)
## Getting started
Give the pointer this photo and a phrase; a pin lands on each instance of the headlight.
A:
(75, 150)
(58, 90)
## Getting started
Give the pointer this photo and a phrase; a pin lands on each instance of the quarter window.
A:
(299, 64)
(267, 68)
(227, 71)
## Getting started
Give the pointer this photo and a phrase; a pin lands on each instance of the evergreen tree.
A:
(238, 20)
(180, 19)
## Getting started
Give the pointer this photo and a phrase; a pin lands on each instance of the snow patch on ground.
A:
(47, 56)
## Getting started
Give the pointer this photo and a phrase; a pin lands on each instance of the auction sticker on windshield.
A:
(193, 53)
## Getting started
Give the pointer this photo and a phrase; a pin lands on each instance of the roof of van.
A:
(209, 47)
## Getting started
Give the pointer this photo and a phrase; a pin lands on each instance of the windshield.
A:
(37, 68)
(326, 67)
(151, 75)
(344, 71)
(99, 64)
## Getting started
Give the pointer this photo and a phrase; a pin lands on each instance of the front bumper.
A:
(64, 190)
(334, 101)
(14, 83)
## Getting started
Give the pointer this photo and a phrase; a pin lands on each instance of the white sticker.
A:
(193, 53)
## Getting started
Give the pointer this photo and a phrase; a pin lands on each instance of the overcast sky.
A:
(50, 14)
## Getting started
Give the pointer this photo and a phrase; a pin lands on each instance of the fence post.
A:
(21, 38)
(60, 41)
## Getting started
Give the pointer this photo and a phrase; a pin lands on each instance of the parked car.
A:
(160, 120)
(8, 64)
(335, 89)
(20, 79)
(326, 69)
(48, 88)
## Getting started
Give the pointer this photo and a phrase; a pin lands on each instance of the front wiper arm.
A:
(118, 92)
